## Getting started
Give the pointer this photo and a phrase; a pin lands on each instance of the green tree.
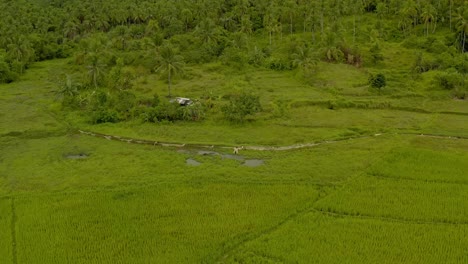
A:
(303, 58)
(411, 11)
(187, 18)
(68, 91)
(270, 22)
(377, 81)
(462, 29)
(6, 75)
(20, 54)
(170, 63)
(95, 69)
(428, 16)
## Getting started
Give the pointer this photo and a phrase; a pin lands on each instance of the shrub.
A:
(104, 116)
(240, 106)
(279, 108)
(194, 112)
(422, 64)
(376, 54)
(377, 81)
(6, 75)
(278, 64)
(460, 93)
(436, 46)
(235, 57)
(447, 80)
(352, 55)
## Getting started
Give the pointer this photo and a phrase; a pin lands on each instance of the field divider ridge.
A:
(387, 219)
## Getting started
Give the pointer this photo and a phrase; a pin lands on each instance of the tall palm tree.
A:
(462, 28)
(462, 25)
(411, 10)
(95, 69)
(187, 18)
(170, 63)
(428, 16)
(270, 22)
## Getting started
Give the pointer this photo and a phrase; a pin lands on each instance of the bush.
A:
(376, 54)
(104, 116)
(436, 46)
(460, 93)
(6, 75)
(235, 57)
(377, 81)
(240, 106)
(447, 80)
(194, 112)
(352, 55)
(278, 64)
(423, 64)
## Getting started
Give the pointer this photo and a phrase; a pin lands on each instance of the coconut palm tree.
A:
(170, 63)
(428, 16)
(462, 29)
(304, 58)
(68, 88)
(95, 69)
(270, 22)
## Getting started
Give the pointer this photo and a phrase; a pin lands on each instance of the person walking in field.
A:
(236, 149)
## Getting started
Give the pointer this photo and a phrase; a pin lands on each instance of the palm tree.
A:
(428, 16)
(462, 28)
(450, 14)
(411, 10)
(95, 69)
(187, 18)
(207, 31)
(170, 63)
(21, 53)
(270, 22)
(303, 58)
(68, 88)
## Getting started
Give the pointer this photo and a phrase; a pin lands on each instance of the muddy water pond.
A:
(253, 163)
(76, 156)
(192, 162)
(240, 158)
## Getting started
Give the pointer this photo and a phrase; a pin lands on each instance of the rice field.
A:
(372, 190)
(318, 238)
(173, 223)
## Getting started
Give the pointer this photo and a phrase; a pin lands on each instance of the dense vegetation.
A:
(115, 44)
(355, 109)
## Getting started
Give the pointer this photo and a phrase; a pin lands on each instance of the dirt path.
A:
(257, 148)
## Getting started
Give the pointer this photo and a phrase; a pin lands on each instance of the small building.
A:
(183, 101)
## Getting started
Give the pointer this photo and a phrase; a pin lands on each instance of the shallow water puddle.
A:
(253, 163)
(76, 156)
(248, 163)
(192, 162)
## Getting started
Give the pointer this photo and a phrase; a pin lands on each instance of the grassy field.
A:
(358, 197)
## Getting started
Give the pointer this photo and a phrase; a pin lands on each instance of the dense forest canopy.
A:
(112, 42)
(39, 30)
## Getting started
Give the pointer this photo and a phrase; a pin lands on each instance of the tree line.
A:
(41, 30)
(114, 42)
